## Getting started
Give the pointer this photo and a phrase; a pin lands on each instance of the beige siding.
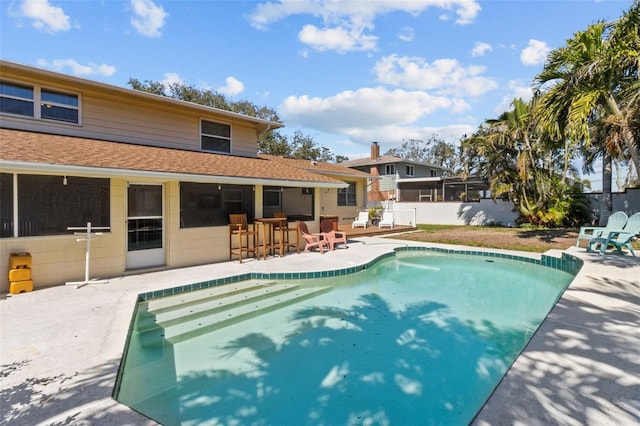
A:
(346, 214)
(192, 246)
(244, 141)
(59, 259)
(121, 117)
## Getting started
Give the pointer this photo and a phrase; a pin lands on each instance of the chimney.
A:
(375, 150)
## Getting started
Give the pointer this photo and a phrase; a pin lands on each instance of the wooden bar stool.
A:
(246, 237)
(287, 229)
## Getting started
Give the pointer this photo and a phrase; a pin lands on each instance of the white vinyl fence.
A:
(484, 212)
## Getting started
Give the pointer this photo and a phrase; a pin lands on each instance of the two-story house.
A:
(388, 172)
(160, 177)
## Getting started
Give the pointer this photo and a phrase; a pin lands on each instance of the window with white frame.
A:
(434, 173)
(390, 169)
(409, 170)
(21, 100)
(58, 106)
(215, 137)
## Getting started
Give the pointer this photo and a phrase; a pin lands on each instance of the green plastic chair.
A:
(616, 222)
(618, 239)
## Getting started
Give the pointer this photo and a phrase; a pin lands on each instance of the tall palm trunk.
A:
(606, 201)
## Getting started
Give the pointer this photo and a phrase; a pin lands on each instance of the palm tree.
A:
(594, 80)
(514, 155)
(514, 132)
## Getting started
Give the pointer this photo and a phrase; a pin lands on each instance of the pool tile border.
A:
(565, 263)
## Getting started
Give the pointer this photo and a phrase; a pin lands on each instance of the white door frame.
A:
(150, 257)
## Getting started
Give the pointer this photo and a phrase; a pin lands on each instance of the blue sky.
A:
(344, 72)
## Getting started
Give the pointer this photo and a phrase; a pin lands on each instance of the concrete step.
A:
(195, 297)
(188, 328)
(148, 312)
(209, 306)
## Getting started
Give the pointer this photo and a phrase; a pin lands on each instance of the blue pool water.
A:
(413, 339)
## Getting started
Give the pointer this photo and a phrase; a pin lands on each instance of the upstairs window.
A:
(434, 173)
(16, 99)
(19, 99)
(390, 169)
(409, 170)
(58, 106)
(215, 137)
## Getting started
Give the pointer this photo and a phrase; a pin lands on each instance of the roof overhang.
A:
(20, 166)
(338, 174)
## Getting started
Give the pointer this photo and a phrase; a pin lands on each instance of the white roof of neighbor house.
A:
(386, 159)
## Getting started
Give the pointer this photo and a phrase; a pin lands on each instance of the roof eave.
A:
(129, 173)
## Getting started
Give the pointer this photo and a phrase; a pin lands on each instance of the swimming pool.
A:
(417, 337)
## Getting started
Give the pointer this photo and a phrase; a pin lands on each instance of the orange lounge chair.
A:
(334, 237)
(313, 240)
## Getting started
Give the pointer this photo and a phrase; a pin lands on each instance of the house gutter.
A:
(143, 174)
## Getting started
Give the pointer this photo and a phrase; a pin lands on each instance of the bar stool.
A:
(239, 227)
(288, 243)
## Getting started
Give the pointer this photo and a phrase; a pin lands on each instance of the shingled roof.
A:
(41, 151)
(317, 166)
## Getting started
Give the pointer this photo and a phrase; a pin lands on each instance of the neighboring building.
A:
(162, 174)
(388, 171)
(404, 180)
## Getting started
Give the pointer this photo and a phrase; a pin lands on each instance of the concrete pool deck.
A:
(60, 347)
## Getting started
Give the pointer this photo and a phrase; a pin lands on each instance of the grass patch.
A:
(519, 239)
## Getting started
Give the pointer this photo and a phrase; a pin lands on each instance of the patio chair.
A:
(387, 220)
(362, 220)
(246, 237)
(334, 237)
(287, 229)
(618, 239)
(615, 223)
(313, 240)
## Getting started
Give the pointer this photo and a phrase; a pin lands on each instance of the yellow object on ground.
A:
(20, 287)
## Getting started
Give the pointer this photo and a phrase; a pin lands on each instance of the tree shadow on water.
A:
(368, 364)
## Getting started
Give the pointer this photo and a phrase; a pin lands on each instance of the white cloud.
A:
(480, 49)
(535, 53)
(340, 39)
(516, 90)
(233, 87)
(75, 68)
(172, 78)
(45, 16)
(407, 34)
(445, 76)
(149, 18)
(345, 22)
(392, 136)
(367, 108)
